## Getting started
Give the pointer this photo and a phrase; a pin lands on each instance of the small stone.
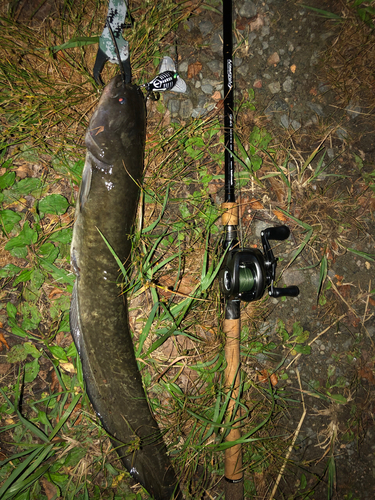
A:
(274, 87)
(313, 121)
(323, 88)
(342, 133)
(207, 88)
(317, 108)
(215, 66)
(353, 110)
(248, 9)
(288, 84)
(257, 84)
(183, 67)
(205, 27)
(295, 125)
(237, 61)
(216, 43)
(186, 108)
(273, 59)
(276, 106)
(216, 96)
(197, 112)
(243, 70)
(285, 121)
(173, 106)
(330, 153)
(251, 38)
(314, 58)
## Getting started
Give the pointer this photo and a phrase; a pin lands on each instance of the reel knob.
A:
(247, 273)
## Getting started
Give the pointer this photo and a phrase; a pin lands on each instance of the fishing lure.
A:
(167, 79)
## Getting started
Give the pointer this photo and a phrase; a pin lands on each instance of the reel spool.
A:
(247, 273)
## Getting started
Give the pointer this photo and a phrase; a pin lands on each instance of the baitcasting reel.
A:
(247, 273)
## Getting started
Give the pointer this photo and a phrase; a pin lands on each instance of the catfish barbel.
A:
(108, 198)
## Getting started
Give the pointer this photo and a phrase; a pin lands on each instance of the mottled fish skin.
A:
(99, 324)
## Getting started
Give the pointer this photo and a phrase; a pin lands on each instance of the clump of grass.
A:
(348, 63)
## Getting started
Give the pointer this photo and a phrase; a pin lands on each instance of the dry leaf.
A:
(4, 368)
(273, 379)
(242, 22)
(280, 215)
(367, 373)
(257, 23)
(24, 171)
(344, 290)
(3, 342)
(256, 204)
(49, 489)
(263, 376)
(55, 294)
(55, 384)
(68, 367)
(216, 96)
(194, 69)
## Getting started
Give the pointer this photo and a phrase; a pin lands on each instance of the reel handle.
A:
(289, 291)
(276, 233)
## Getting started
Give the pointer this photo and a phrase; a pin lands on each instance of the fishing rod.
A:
(245, 275)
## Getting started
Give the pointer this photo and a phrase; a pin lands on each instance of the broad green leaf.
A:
(7, 180)
(49, 251)
(60, 275)
(37, 279)
(24, 187)
(64, 325)
(16, 330)
(9, 270)
(16, 354)
(71, 351)
(25, 275)
(11, 310)
(17, 246)
(302, 349)
(58, 352)
(62, 236)
(53, 204)
(31, 316)
(338, 398)
(31, 370)
(9, 219)
(31, 349)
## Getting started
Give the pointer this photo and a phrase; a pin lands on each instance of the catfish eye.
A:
(121, 100)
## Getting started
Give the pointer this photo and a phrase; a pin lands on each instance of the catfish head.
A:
(117, 126)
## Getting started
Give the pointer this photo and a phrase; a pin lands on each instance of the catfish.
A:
(107, 205)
